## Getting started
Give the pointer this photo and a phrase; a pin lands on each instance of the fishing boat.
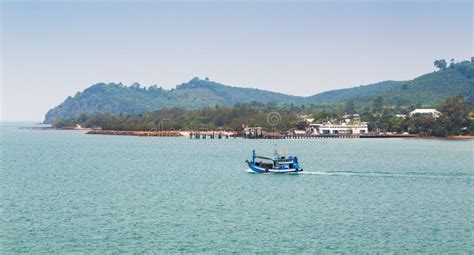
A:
(277, 164)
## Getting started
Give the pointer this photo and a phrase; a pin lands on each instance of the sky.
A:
(53, 49)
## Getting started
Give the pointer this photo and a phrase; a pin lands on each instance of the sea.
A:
(70, 192)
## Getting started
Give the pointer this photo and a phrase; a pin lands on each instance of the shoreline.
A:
(460, 137)
(188, 133)
(227, 134)
(212, 134)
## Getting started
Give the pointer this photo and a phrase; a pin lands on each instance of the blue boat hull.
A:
(261, 170)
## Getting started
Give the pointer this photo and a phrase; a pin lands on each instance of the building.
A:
(254, 132)
(433, 112)
(329, 128)
(350, 124)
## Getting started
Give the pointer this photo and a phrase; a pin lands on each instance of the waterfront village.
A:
(347, 126)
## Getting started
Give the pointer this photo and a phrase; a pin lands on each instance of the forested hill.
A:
(431, 89)
(363, 91)
(197, 93)
(426, 90)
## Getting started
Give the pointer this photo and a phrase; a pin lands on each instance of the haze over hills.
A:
(426, 90)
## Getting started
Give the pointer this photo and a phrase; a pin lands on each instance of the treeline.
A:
(456, 118)
(218, 117)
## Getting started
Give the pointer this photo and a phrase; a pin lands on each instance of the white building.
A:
(252, 131)
(349, 124)
(338, 129)
(435, 113)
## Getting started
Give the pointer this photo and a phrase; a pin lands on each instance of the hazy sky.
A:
(50, 50)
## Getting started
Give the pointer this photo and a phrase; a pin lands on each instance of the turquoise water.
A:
(65, 191)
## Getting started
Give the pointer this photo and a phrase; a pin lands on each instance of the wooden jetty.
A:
(284, 135)
(135, 133)
(388, 136)
(276, 135)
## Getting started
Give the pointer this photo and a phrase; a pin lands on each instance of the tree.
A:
(136, 86)
(301, 125)
(441, 64)
(454, 114)
(322, 116)
(452, 62)
(350, 108)
(377, 105)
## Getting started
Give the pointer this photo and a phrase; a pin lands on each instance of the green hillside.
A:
(363, 91)
(427, 90)
(431, 89)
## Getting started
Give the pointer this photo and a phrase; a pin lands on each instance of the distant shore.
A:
(218, 134)
(212, 134)
(456, 137)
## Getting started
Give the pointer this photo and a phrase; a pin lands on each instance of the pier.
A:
(135, 133)
(211, 135)
(277, 135)
(256, 135)
(273, 135)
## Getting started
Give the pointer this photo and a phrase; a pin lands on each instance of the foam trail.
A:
(386, 174)
(327, 173)
(350, 173)
(382, 174)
